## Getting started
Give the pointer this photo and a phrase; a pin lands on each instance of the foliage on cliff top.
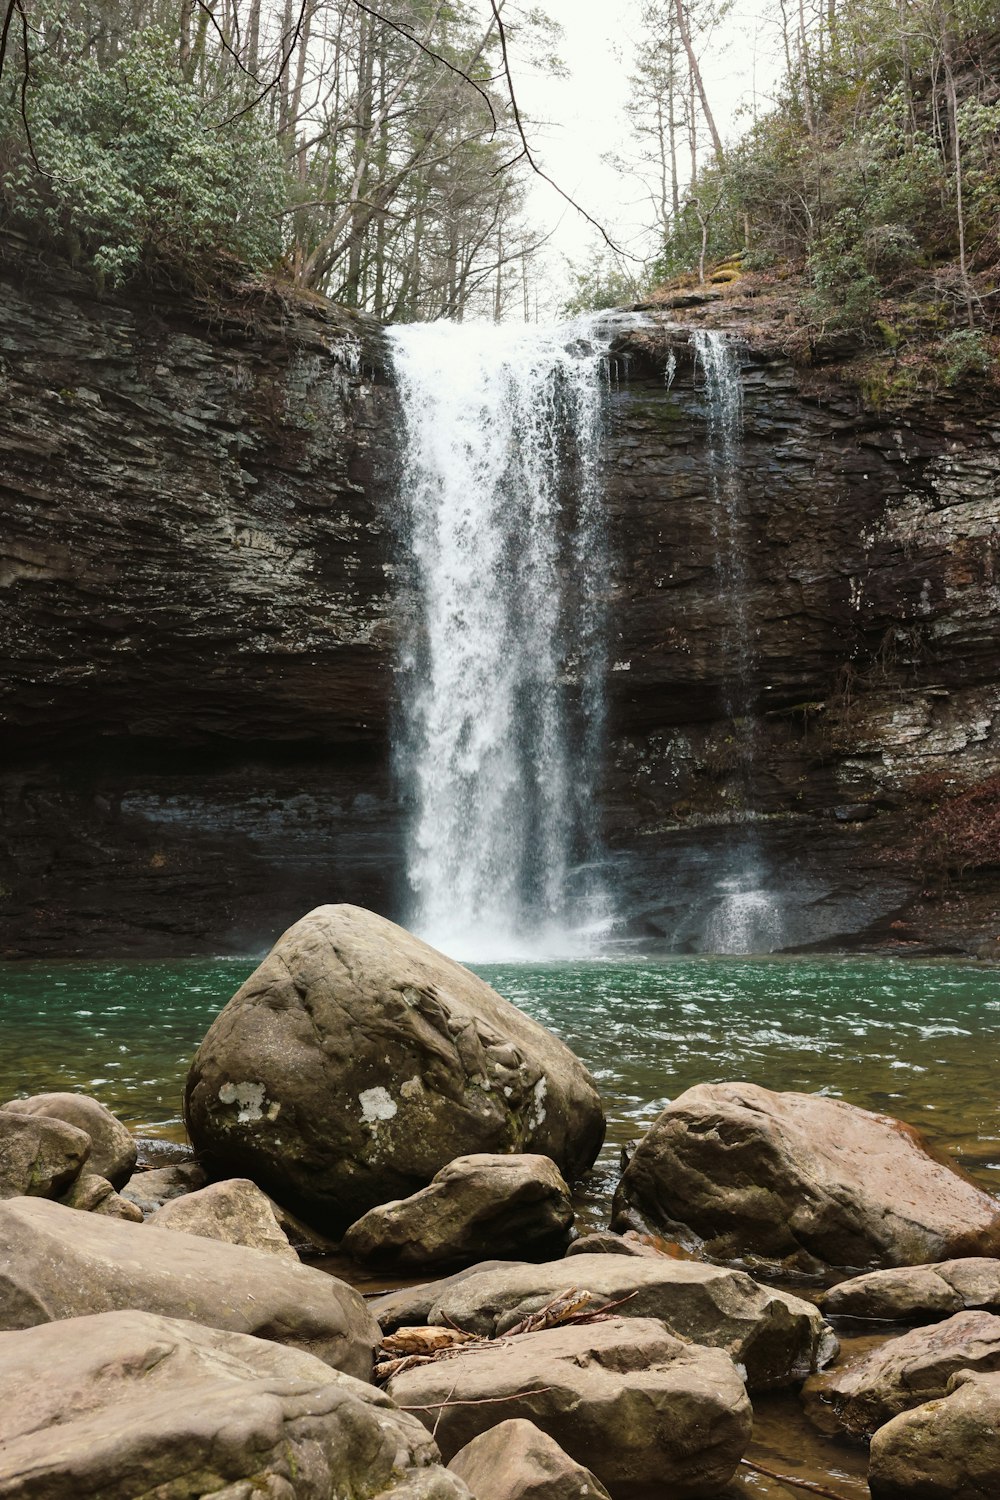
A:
(877, 172)
(367, 152)
(131, 174)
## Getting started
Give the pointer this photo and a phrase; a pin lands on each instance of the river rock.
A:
(412, 1304)
(95, 1195)
(517, 1461)
(126, 1401)
(356, 1062)
(39, 1157)
(646, 1412)
(944, 1450)
(776, 1337)
(473, 1205)
(917, 1294)
(861, 1395)
(803, 1181)
(56, 1263)
(150, 1190)
(235, 1211)
(113, 1148)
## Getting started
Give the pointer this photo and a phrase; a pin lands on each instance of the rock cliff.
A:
(200, 596)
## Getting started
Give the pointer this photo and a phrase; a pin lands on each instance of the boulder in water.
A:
(948, 1449)
(473, 1205)
(113, 1148)
(801, 1181)
(127, 1402)
(860, 1396)
(918, 1294)
(356, 1062)
(649, 1414)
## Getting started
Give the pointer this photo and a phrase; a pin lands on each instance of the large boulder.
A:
(475, 1204)
(860, 1396)
(777, 1338)
(917, 1294)
(56, 1263)
(356, 1062)
(517, 1461)
(125, 1403)
(947, 1449)
(649, 1414)
(235, 1211)
(39, 1157)
(112, 1146)
(800, 1180)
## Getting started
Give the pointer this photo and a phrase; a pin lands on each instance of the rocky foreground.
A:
(163, 1337)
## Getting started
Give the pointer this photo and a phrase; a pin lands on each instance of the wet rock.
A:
(234, 1211)
(58, 1264)
(473, 1205)
(776, 1337)
(39, 1157)
(517, 1461)
(603, 1242)
(858, 1397)
(916, 1294)
(800, 1180)
(644, 1411)
(95, 1195)
(947, 1449)
(122, 1401)
(150, 1190)
(412, 1304)
(113, 1149)
(356, 1062)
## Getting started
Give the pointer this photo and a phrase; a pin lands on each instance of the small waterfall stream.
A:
(501, 720)
(747, 917)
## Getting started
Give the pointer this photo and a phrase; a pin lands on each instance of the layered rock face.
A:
(863, 650)
(201, 588)
(196, 609)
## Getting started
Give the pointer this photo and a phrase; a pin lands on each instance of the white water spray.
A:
(502, 712)
(747, 917)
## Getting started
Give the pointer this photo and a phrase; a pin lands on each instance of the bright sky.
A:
(582, 117)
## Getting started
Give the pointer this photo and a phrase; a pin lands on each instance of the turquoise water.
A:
(917, 1040)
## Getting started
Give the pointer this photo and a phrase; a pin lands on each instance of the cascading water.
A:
(747, 917)
(502, 680)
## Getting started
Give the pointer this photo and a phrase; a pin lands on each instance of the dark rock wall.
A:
(872, 619)
(196, 609)
(200, 593)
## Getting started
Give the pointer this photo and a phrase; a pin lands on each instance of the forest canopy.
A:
(368, 152)
(375, 153)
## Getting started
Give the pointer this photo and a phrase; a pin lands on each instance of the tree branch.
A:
(526, 154)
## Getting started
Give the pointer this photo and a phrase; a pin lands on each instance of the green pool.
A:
(918, 1040)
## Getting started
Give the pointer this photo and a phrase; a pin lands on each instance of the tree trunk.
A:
(697, 81)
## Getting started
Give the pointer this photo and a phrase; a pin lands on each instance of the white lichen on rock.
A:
(250, 1099)
(376, 1105)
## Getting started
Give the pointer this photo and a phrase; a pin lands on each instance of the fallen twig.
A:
(797, 1484)
(486, 1401)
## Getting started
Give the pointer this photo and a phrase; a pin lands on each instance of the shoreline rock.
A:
(800, 1182)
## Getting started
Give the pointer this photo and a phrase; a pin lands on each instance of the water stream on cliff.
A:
(501, 703)
(747, 916)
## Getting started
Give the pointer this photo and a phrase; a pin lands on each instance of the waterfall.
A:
(501, 703)
(747, 917)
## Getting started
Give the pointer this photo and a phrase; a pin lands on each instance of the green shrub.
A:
(133, 168)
